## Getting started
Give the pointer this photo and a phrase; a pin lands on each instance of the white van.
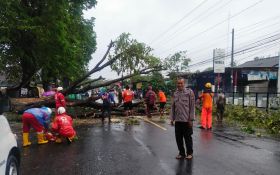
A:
(9, 151)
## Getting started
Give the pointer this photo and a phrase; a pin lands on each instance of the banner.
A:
(260, 75)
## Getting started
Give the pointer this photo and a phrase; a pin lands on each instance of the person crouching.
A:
(63, 126)
(37, 118)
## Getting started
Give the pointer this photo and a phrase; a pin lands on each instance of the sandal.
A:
(189, 157)
(179, 157)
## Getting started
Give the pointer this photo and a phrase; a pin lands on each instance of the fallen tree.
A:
(135, 59)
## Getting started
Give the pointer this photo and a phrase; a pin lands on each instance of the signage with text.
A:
(219, 60)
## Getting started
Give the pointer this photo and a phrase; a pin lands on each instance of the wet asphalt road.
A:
(149, 150)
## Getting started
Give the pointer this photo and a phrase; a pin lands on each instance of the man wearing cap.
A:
(59, 98)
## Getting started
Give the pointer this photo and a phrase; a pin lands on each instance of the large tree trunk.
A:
(89, 102)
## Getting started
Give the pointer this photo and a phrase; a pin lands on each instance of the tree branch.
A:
(143, 71)
(95, 69)
(105, 56)
(91, 81)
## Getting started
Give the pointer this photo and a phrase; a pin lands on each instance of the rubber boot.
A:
(58, 140)
(25, 139)
(41, 139)
(70, 139)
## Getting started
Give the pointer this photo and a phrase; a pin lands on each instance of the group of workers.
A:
(126, 96)
(61, 127)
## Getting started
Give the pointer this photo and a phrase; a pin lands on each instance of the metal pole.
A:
(232, 57)
(235, 81)
(214, 61)
(218, 81)
(267, 102)
(257, 99)
(232, 97)
(278, 77)
(243, 97)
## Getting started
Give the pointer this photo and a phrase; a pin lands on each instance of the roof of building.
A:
(261, 63)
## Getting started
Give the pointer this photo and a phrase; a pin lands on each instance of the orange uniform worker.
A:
(127, 96)
(206, 113)
(162, 101)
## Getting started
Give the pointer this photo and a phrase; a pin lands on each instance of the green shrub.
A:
(272, 123)
(251, 118)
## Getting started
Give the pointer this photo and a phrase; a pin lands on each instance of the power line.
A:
(238, 36)
(249, 47)
(214, 26)
(196, 20)
(270, 47)
(227, 56)
(244, 43)
(172, 26)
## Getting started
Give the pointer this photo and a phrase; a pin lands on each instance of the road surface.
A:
(146, 149)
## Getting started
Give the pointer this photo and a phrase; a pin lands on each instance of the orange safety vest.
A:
(162, 97)
(127, 95)
(207, 100)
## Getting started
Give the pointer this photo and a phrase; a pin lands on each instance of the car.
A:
(9, 150)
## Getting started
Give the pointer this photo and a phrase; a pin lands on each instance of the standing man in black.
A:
(182, 114)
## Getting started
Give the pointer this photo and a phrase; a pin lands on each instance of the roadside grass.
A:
(250, 120)
(253, 120)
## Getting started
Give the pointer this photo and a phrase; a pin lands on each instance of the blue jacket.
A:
(42, 117)
(111, 97)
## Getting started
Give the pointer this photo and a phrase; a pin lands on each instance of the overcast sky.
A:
(197, 26)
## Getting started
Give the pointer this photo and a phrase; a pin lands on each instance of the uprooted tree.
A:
(52, 40)
(126, 56)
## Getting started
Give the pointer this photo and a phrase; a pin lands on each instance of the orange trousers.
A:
(206, 117)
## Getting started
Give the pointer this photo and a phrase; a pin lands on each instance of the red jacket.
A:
(63, 125)
(59, 100)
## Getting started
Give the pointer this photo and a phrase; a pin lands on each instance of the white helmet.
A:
(61, 110)
(60, 88)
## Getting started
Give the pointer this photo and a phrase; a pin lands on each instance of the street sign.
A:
(219, 60)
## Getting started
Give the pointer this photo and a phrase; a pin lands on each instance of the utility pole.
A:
(278, 77)
(232, 59)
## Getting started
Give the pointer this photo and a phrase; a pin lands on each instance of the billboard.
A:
(260, 75)
(219, 60)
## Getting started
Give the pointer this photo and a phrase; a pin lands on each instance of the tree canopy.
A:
(177, 62)
(134, 56)
(50, 37)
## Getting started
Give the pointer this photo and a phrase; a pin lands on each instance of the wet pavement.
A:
(149, 150)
